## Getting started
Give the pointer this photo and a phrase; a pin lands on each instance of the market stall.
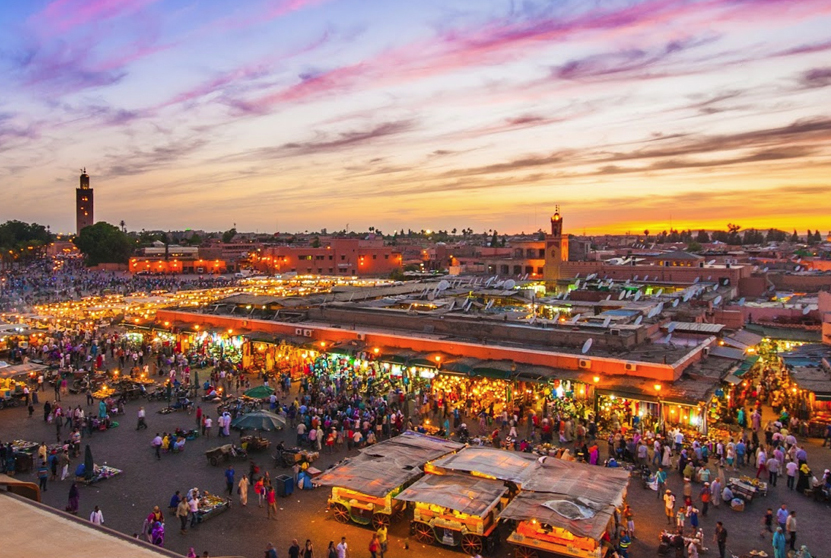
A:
(211, 505)
(364, 487)
(456, 510)
(99, 473)
(564, 509)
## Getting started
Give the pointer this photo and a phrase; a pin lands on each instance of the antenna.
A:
(586, 346)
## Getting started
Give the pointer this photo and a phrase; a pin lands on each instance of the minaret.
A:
(83, 203)
(556, 252)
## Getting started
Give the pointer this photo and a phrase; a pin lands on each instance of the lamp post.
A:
(596, 380)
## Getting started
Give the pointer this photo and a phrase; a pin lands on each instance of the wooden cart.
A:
(457, 510)
(364, 488)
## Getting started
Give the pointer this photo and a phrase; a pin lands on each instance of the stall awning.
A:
(746, 366)
(499, 369)
(743, 339)
(459, 365)
(262, 337)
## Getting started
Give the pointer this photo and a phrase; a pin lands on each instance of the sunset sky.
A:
(296, 115)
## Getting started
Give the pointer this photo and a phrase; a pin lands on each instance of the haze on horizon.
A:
(307, 114)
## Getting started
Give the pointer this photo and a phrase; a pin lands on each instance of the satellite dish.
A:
(575, 318)
(509, 284)
(577, 284)
(577, 276)
(697, 279)
(452, 305)
(711, 262)
(660, 292)
(637, 296)
(660, 308)
(488, 282)
(709, 278)
(669, 338)
(687, 296)
(806, 310)
(638, 320)
(533, 319)
(609, 297)
(565, 296)
(626, 282)
(592, 276)
(717, 301)
(645, 277)
(741, 301)
(675, 303)
(611, 282)
(798, 268)
(443, 285)
(525, 277)
(607, 322)
(586, 346)
(635, 278)
(672, 327)
(622, 294)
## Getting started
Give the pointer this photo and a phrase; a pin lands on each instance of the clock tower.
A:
(83, 203)
(556, 252)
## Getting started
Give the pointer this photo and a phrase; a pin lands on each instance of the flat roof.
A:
(53, 529)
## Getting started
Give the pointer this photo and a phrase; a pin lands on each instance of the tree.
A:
(316, 241)
(494, 240)
(694, 247)
(21, 241)
(103, 243)
(794, 236)
(703, 237)
(229, 235)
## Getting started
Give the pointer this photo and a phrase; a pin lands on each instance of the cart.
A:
(564, 509)
(211, 505)
(364, 487)
(225, 453)
(254, 443)
(457, 510)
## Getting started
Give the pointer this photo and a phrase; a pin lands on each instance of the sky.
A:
(293, 115)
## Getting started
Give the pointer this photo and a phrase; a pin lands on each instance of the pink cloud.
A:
(63, 15)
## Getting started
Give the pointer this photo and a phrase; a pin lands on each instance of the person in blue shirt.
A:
(174, 500)
(661, 479)
(624, 544)
(229, 479)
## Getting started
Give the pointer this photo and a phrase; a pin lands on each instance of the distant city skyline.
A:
(292, 115)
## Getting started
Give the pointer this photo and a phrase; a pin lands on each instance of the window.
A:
(374, 256)
(529, 253)
(331, 257)
(503, 269)
(517, 270)
(342, 258)
(330, 270)
(386, 256)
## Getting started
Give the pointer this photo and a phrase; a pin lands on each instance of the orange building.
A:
(337, 256)
(175, 266)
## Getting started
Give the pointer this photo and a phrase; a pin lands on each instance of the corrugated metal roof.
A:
(743, 339)
(726, 352)
(465, 494)
(695, 327)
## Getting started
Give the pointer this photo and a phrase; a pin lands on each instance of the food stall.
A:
(487, 462)
(457, 510)
(99, 473)
(211, 505)
(24, 455)
(564, 509)
(364, 487)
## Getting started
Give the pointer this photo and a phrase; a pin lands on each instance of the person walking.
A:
(229, 480)
(704, 494)
(43, 474)
(206, 428)
(721, 538)
(790, 527)
(782, 516)
(661, 480)
(308, 550)
(669, 506)
(74, 497)
(779, 550)
(142, 424)
(767, 523)
(715, 492)
(342, 548)
(271, 498)
(382, 538)
(96, 516)
(331, 551)
(790, 469)
(270, 551)
(374, 546)
(182, 511)
(242, 489)
(294, 549)
(157, 446)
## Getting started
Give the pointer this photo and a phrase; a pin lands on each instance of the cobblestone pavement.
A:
(245, 531)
